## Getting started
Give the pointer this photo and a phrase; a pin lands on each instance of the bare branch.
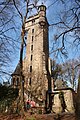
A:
(67, 31)
(18, 10)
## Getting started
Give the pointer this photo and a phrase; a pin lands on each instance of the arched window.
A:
(33, 21)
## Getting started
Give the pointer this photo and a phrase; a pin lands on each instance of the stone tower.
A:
(35, 64)
(37, 52)
(37, 42)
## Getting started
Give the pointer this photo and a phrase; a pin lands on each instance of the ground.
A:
(63, 116)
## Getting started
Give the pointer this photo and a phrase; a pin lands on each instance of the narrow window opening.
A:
(30, 81)
(31, 57)
(30, 68)
(32, 38)
(32, 30)
(31, 47)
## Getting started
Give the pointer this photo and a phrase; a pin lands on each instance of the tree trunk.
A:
(21, 76)
(78, 101)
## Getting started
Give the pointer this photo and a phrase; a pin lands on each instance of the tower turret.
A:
(42, 15)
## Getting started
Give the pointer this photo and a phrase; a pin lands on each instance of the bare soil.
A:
(63, 116)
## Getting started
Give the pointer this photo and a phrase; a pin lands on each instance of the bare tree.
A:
(67, 38)
(56, 70)
(71, 72)
(8, 43)
(11, 11)
(36, 87)
(67, 72)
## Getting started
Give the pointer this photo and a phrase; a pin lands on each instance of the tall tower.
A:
(37, 52)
